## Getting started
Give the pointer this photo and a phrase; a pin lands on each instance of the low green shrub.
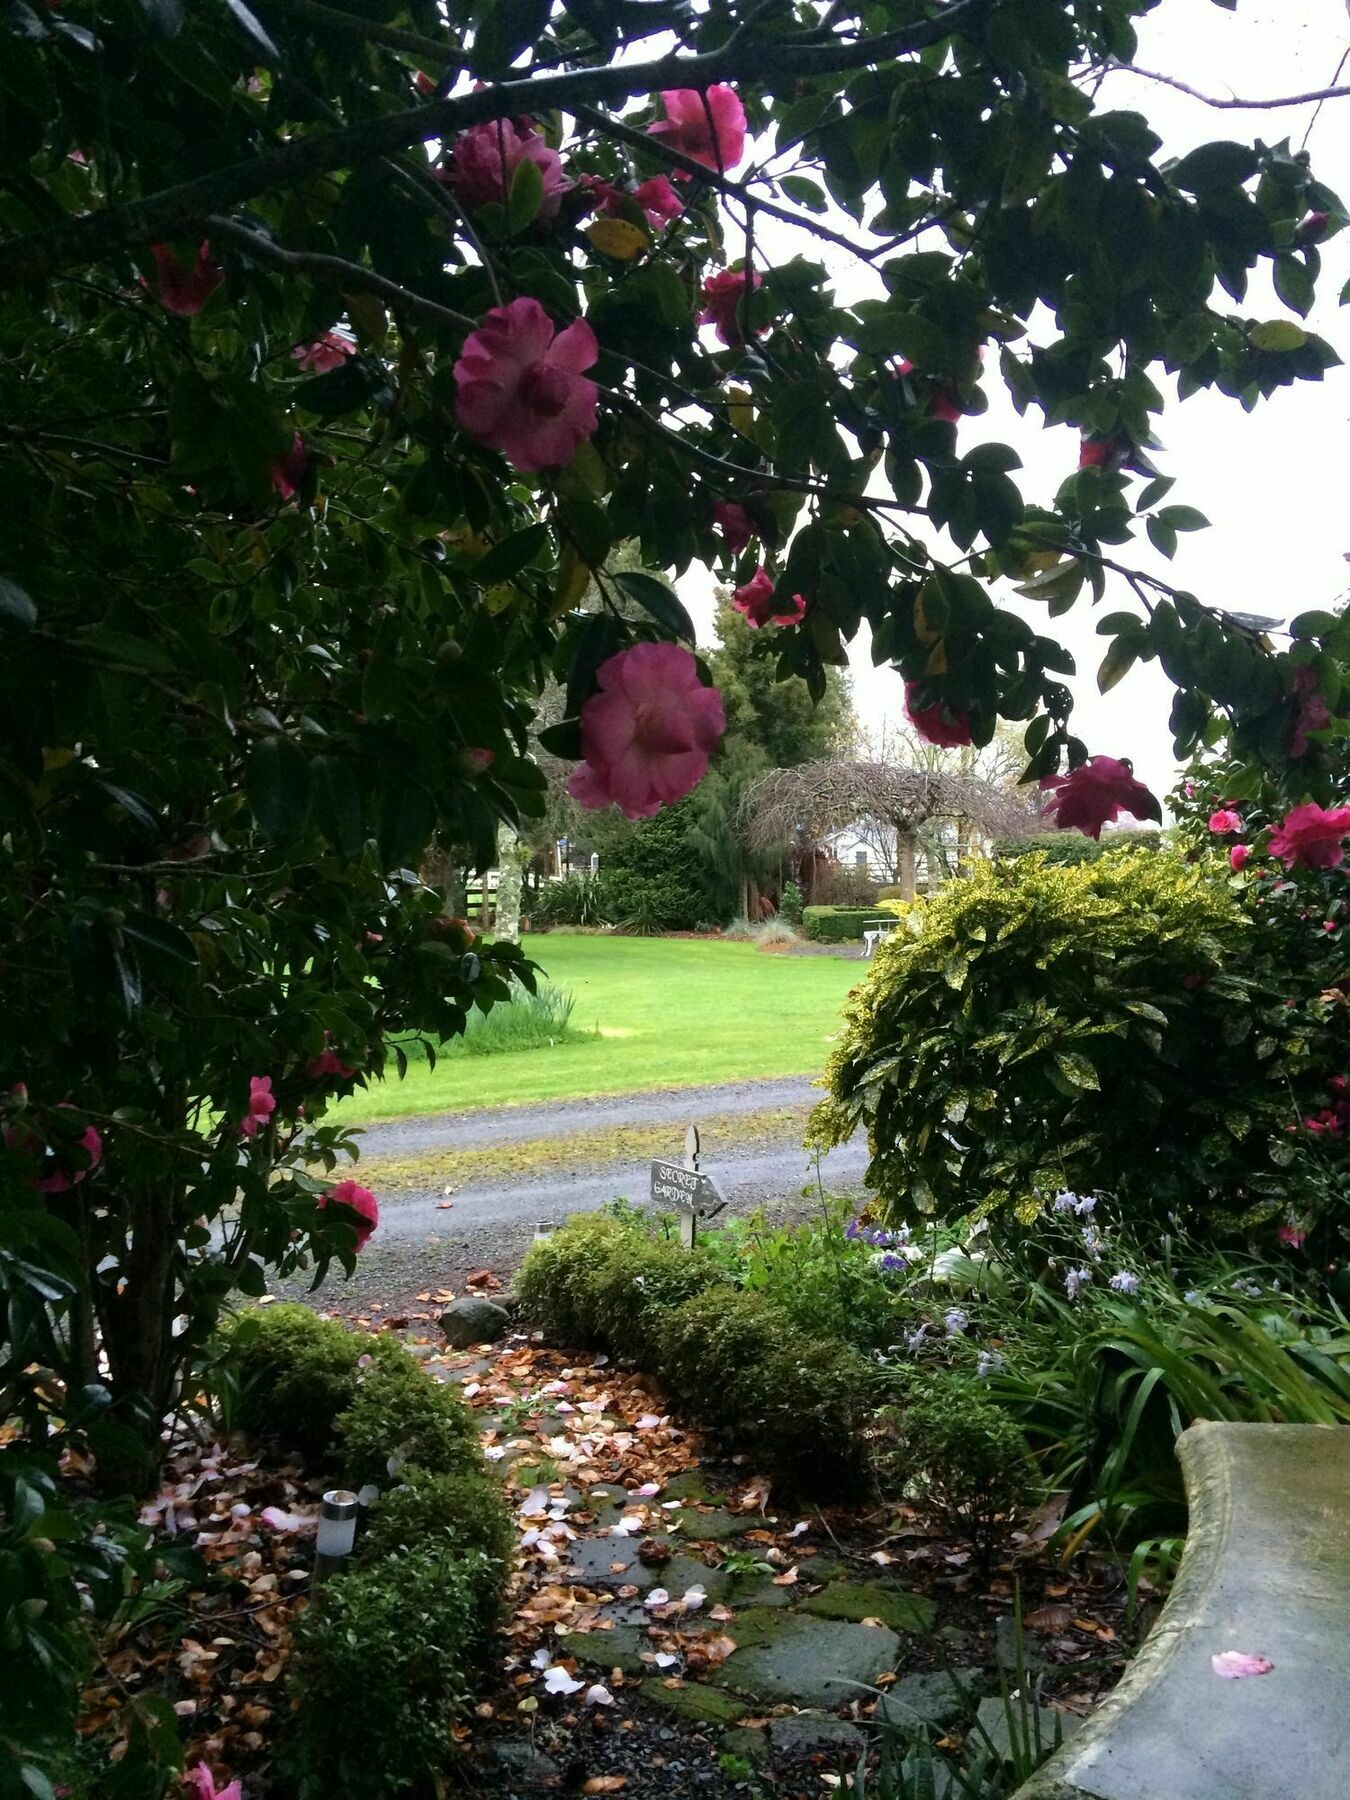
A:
(958, 1453)
(792, 904)
(652, 878)
(398, 1412)
(465, 1510)
(596, 1282)
(1069, 848)
(295, 1373)
(796, 1402)
(575, 899)
(383, 1665)
(839, 924)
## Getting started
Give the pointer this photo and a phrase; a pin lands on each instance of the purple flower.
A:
(888, 1262)
(915, 1339)
(853, 1229)
(1075, 1279)
(955, 1321)
(1124, 1282)
(1082, 1204)
(989, 1364)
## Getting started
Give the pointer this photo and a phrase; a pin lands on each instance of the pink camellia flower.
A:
(1313, 712)
(203, 1784)
(1292, 1236)
(1095, 794)
(521, 389)
(942, 401)
(261, 1105)
(328, 1062)
(722, 295)
(1233, 1664)
(476, 762)
(361, 1201)
(938, 724)
(659, 201)
(1313, 228)
(484, 160)
(289, 471)
(1238, 857)
(1312, 836)
(735, 524)
(760, 604)
(1225, 819)
(59, 1181)
(707, 127)
(425, 84)
(328, 351)
(648, 733)
(184, 291)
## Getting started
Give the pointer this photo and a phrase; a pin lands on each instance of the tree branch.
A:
(1230, 105)
(177, 211)
(337, 270)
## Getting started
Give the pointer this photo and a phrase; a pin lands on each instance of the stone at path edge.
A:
(471, 1321)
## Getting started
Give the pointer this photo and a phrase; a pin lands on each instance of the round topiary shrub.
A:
(400, 1416)
(292, 1373)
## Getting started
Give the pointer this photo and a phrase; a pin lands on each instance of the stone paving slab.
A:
(858, 1600)
(793, 1657)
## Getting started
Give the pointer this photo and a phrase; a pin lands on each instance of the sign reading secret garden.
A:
(687, 1189)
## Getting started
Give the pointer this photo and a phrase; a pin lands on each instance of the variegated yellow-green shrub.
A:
(1106, 1026)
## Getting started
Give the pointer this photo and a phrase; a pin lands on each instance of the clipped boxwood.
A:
(731, 1357)
(598, 1282)
(1068, 848)
(839, 924)
(382, 1667)
(385, 1656)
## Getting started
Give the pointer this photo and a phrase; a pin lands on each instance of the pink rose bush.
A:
(648, 733)
(656, 198)
(483, 163)
(328, 351)
(722, 297)
(939, 723)
(759, 603)
(361, 1201)
(261, 1105)
(1095, 794)
(521, 386)
(1238, 857)
(706, 127)
(1224, 820)
(1312, 837)
(180, 290)
(735, 524)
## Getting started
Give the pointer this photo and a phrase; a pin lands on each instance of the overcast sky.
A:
(1271, 482)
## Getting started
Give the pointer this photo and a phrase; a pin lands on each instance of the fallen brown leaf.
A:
(605, 1784)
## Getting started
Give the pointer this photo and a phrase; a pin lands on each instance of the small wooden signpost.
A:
(690, 1190)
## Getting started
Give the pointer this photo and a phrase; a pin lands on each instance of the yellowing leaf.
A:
(741, 411)
(617, 238)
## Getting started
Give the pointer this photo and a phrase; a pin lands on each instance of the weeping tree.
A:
(802, 807)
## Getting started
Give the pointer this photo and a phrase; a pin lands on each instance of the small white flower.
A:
(955, 1321)
(693, 1597)
(990, 1362)
(541, 1658)
(1075, 1279)
(664, 1660)
(914, 1339)
(1125, 1282)
(649, 1490)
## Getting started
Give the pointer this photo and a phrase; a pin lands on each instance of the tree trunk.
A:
(512, 856)
(905, 841)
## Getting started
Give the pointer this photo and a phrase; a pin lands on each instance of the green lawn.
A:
(671, 1013)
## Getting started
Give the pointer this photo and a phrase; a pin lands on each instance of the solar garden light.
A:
(543, 1230)
(337, 1531)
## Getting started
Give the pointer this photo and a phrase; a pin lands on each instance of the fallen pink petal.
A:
(1234, 1664)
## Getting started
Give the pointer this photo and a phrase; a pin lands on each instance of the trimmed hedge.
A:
(840, 924)
(731, 1357)
(384, 1659)
(1069, 848)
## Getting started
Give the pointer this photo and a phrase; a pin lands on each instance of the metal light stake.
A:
(337, 1531)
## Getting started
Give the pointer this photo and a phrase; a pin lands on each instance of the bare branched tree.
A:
(799, 808)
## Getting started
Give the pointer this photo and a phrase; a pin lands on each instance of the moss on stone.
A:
(702, 1705)
(872, 1600)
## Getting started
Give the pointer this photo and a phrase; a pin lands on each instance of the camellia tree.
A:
(339, 343)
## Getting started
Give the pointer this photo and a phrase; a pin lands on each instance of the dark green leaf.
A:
(660, 601)
(278, 787)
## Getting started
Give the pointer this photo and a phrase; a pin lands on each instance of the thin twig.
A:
(1234, 104)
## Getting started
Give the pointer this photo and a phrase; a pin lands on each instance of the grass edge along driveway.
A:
(671, 1012)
